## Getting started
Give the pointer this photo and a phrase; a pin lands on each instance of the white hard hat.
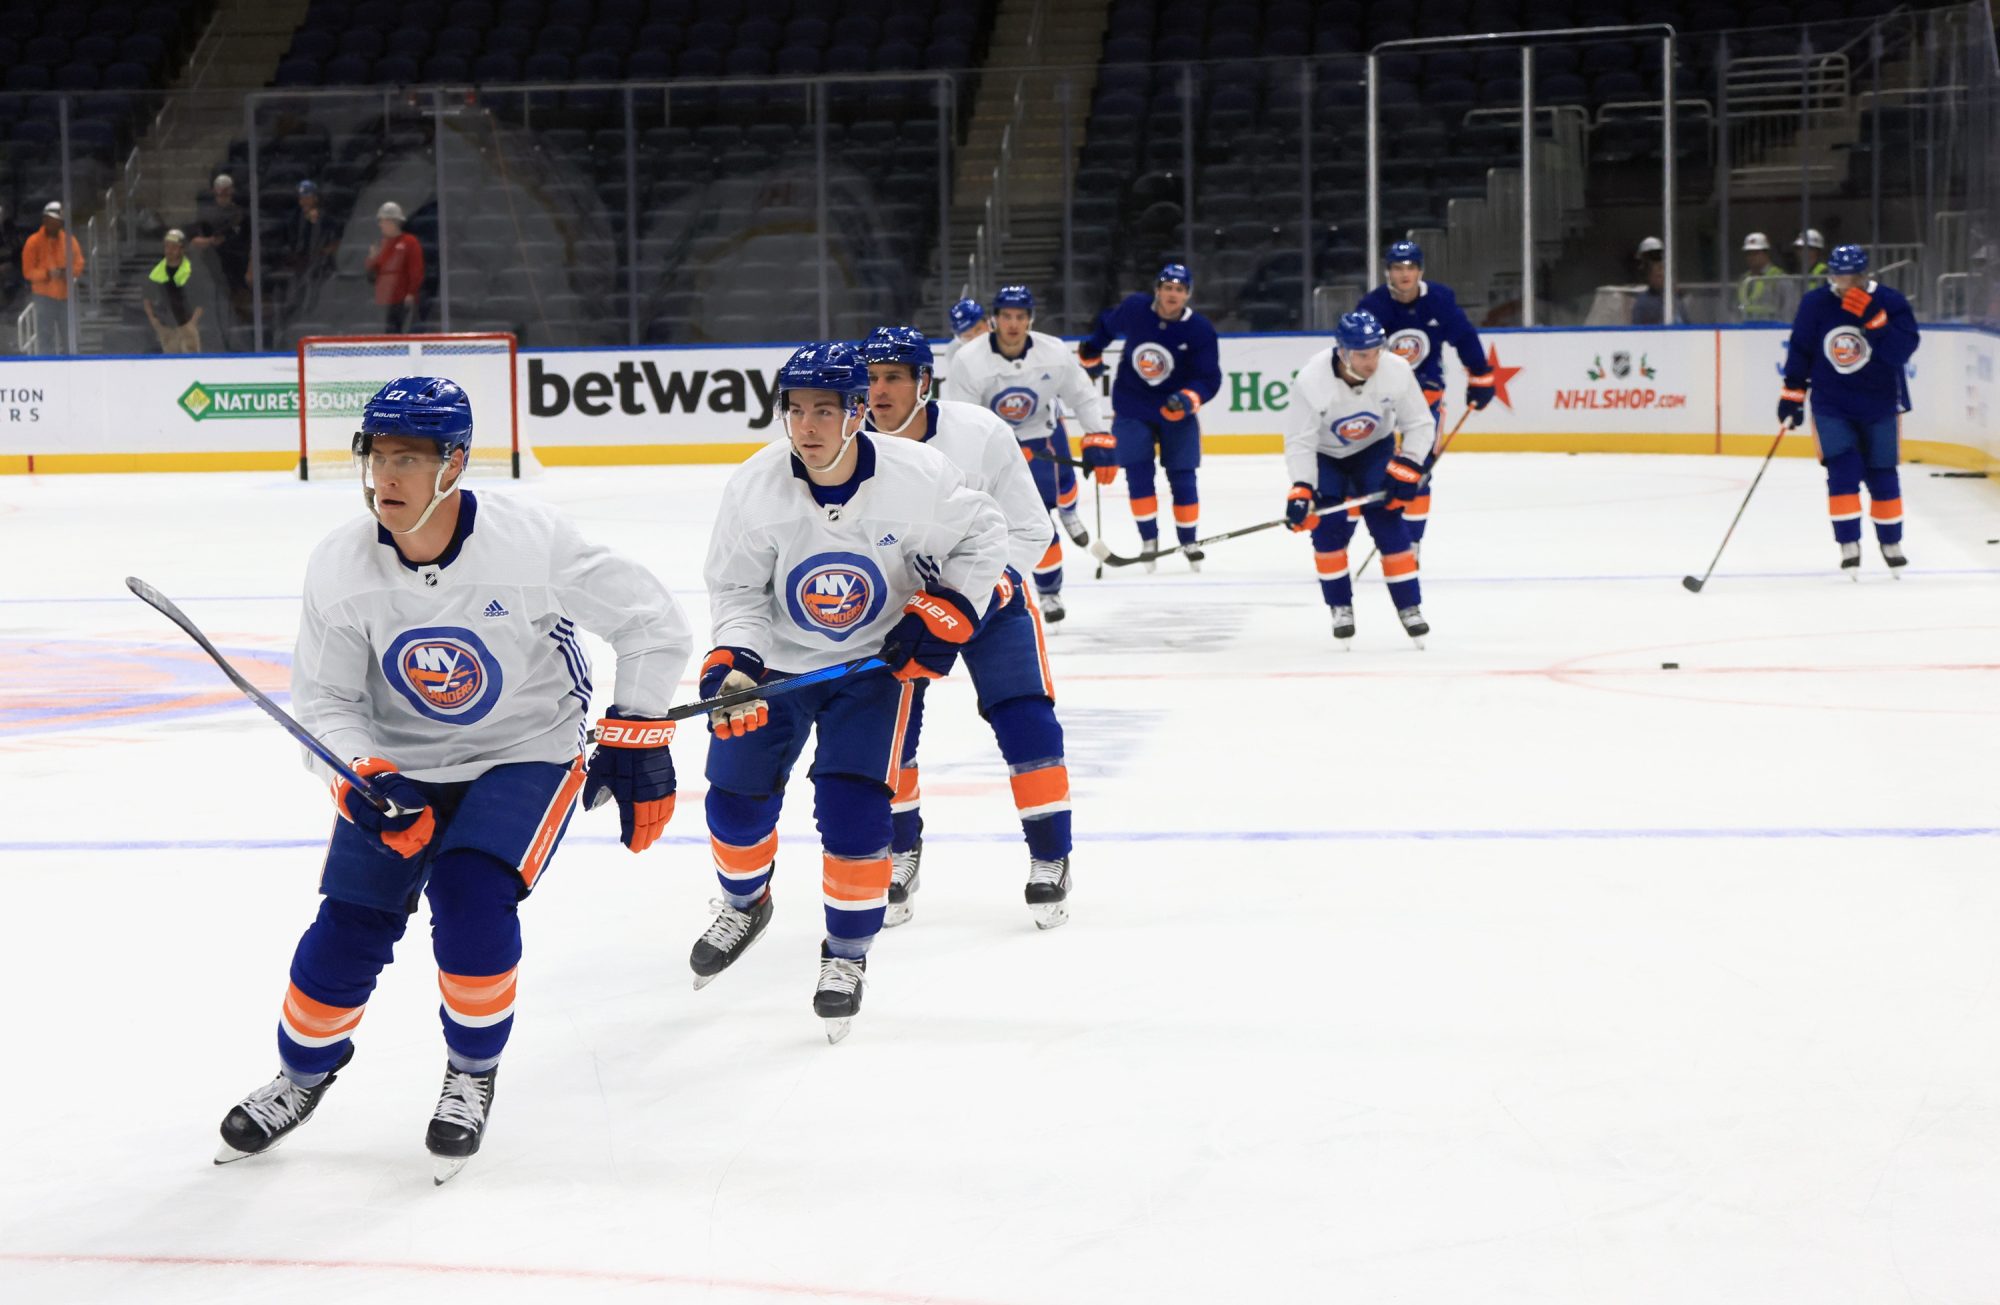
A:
(223, 181)
(1756, 240)
(176, 236)
(1809, 239)
(52, 209)
(1651, 245)
(391, 212)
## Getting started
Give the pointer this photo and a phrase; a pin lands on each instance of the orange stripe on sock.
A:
(1187, 513)
(1052, 557)
(845, 879)
(476, 995)
(1147, 506)
(1330, 563)
(1067, 498)
(1886, 509)
(1040, 788)
(1844, 505)
(1399, 564)
(744, 860)
(316, 1018)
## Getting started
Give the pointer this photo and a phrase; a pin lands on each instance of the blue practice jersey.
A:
(1161, 357)
(1420, 331)
(1854, 365)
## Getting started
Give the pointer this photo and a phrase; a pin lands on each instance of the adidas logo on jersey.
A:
(495, 609)
(885, 541)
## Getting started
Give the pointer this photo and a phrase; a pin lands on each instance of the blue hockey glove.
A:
(925, 644)
(398, 836)
(1100, 454)
(1406, 480)
(1093, 365)
(633, 767)
(1180, 404)
(1479, 390)
(1792, 407)
(1299, 514)
(726, 670)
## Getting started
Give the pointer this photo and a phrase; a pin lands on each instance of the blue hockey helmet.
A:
(419, 407)
(825, 365)
(897, 344)
(966, 314)
(1358, 330)
(1014, 296)
(1405, 251)
(1847, 259)
(1177, 273)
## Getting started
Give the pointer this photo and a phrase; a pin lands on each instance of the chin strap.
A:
(846, 443)
(438, 495)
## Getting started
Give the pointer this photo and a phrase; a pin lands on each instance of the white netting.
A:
(339, 374)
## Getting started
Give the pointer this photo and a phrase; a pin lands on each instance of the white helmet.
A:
(1756, 240)
(1809, 239)
(1650, 245)
(391, 212)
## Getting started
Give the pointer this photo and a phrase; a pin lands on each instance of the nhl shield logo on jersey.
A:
(835, 594)
(1153, 362)
(1015, 405)
(1352, 430)
(1848, 349)
(445, 672)
(1411, 346)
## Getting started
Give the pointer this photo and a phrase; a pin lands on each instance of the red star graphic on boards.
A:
(1501, 375)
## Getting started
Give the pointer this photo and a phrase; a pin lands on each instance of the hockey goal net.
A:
(338, 374)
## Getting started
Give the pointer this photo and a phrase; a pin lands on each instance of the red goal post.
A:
(338, 374)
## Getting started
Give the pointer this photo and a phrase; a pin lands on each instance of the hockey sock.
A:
(1145, 499)
(906, 818)
(1048, 571)
(333, 973)
(854, 832)
(1031, 740)
(1843, 496)
(743, 840)
(1399, 564)
(476, 937)
(1187, 505)
(1330, 538)
(1417, 516)
(1885, 504)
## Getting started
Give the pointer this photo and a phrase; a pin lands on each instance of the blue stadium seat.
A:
(347, 70)
(363, 42)
(447, 68)
(396, 70)
(497, 66)
(463, 42)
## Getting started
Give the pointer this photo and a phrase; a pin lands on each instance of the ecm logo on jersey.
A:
(1848, 349)
(1411, 346)
(835, 594)
(1352, 430)
(445, 672)
(1153, 362)
(1016, 405)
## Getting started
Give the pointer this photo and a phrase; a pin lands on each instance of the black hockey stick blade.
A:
(777, 688)
(306, 738)
(1102, 551)
(1691, 584)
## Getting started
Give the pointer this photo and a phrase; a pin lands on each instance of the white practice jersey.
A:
(1023, 391)
(473, 661)
(1327, 415)
(951, 350)
(805, 586)
(981, 446)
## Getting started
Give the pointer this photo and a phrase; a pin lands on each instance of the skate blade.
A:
(229, 1155)
(443, 1167)
(1050, 915)
(898, 913)
(1416, 643)
(836, 1029)
(703, 980)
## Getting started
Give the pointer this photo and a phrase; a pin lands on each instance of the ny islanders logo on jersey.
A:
(445, 672)
(1848, 349)
(1154, 362)
(835, 594)
(1016, 404)
(1354, 429)
(1412, 346)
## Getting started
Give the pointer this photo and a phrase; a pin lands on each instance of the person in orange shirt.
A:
(49, 275)
(397, 263)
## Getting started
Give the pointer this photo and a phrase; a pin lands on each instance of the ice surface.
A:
(1515, 970)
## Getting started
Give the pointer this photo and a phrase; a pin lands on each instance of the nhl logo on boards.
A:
(834, 594)
(445, 672)
(1411, 346)
(1621, 364)
(1848, 349)
(1352, 430)
(1153, 362)
(1015, 405)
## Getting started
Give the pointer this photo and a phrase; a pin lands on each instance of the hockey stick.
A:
(1693, 585)
(1050, 455)
(775, 688)
(165, 606)
(1098, 494)
(1109, 558)
(1442, 450)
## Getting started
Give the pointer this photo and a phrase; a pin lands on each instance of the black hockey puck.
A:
(1670, 666)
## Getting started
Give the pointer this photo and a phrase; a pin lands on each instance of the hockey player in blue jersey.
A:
(1422, 319)
(1170, 368)
(1850, 342)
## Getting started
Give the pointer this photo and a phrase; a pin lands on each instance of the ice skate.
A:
(729, 935)
(1052, 608)
(1149, 551)
(1414, 623)
(903, 885)
(1194, 555)
(1343, 624)
(459, 1122)
(1893, 555)
(1048, 892)
(1072, 524)
(270, 1114)
(838, 999)
(1850, 559)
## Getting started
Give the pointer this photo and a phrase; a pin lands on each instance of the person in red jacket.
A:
(397, 262)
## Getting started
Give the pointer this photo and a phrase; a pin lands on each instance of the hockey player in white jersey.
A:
(832, 545)
(1008, 658)
(1023, 376)
(438, 647)
(1348, 404)
(968, 323)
